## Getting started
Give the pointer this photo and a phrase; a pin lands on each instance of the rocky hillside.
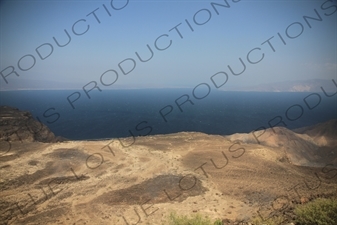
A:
(322, 133)
(141, 181)
(308, 146)
(16, 125)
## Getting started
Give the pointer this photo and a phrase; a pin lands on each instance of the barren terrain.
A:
(125, 181)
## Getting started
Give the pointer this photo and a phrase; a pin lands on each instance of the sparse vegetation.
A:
(197, 219)
(318, 212)
(270, 221)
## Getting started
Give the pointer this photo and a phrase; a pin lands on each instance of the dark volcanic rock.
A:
(16, 125)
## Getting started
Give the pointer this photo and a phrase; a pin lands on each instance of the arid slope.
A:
(122, 181)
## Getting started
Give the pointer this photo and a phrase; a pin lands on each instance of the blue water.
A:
(116, 113)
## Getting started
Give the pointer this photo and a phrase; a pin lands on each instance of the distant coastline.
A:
(312, 85)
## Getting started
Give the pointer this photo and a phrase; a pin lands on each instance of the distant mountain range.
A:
(313, 85)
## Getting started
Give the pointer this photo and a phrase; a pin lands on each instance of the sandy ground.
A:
(102, 182)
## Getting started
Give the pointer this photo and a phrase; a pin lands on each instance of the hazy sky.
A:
(111, 32)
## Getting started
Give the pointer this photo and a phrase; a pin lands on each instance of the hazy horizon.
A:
(191, 41)
(283, 86)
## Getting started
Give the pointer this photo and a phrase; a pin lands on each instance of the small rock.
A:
(242, 218)
(304, 200)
